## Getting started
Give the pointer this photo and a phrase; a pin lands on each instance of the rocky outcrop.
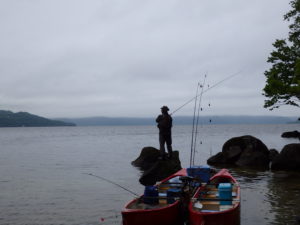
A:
(242, 151)
(291, 134)
(288, 159)
(153, 168)
(148, 157)
(297, 219)
(272, 154)
(217, 159)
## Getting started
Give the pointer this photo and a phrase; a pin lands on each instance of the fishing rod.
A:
(193, 129)
(209, 88)
(198, 114)
(109, 181)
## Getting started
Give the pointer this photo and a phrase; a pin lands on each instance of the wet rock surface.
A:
(155, 169)
(288, 158)
(291, 134)
(273, 153)
(242, 151)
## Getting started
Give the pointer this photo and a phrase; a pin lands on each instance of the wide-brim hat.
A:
(165, 108)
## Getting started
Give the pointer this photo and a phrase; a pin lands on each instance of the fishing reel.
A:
(191, 182)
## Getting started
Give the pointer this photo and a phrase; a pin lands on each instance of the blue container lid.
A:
(225, 186)
(200, 167)
(194, 170)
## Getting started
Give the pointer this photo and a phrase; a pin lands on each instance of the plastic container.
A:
(225, 193)
(150, 195)
(200, 172)
(172, 194)
(175, 182)
(162, 198)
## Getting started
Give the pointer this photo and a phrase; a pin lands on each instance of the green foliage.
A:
(283, 78)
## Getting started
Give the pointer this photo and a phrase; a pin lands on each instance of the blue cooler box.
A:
(201, 172)
(150, 195)
(225, 193)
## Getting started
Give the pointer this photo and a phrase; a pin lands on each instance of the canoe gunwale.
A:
(233, 213)
(222, 174)
(127, 208)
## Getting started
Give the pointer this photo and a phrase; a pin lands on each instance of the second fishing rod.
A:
(206, 90)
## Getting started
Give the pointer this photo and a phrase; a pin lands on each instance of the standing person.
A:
(164, 123)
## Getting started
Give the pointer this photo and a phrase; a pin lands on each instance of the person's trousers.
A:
(165, 139)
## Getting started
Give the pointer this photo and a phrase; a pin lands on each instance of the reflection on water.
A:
(284, 197)
(43, 177)
(254, 206)
(269, 197)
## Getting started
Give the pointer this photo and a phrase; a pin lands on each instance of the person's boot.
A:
(170, 155)
(162, 157)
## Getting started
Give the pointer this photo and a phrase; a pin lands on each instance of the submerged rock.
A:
(153, 168)
(288, 159)
(291, 134)
(242, 151)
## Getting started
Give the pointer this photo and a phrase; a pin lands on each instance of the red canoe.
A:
(209, 206)
(136, 212)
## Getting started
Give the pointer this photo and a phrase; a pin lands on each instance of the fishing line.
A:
(193, 129)
(198, 114)
(109, 181)
(209, 88)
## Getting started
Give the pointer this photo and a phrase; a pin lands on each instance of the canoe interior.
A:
(207, 199)
(140, 205)
(162, 195)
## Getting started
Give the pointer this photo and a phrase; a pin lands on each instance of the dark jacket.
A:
(164, 123)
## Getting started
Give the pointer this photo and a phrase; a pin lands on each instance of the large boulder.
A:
(153, 168)
(297, 219)
(242, 151)
(252, 158)
(217, 159)
(147, 158)
(291, 134)
(288, 158)
(273, 153)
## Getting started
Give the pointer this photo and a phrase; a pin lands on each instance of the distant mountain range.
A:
(25, 119)
(180, 120)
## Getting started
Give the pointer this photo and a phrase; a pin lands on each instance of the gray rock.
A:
(288, 159)
(242, 151)
(147, 158)
(297, 220)
(244, 142)
(154, 169)
(250, 158)
(272, 154)
(232, 153)
(291, 134)
(217, 159)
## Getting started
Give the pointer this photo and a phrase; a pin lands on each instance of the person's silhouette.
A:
(164, 123)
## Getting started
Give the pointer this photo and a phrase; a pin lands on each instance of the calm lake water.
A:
(43, 173)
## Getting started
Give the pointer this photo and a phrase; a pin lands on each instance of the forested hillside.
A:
(24, 119)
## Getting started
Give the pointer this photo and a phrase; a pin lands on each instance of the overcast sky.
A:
(81, 58)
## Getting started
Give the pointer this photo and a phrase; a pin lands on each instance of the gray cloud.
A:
(127, 58)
